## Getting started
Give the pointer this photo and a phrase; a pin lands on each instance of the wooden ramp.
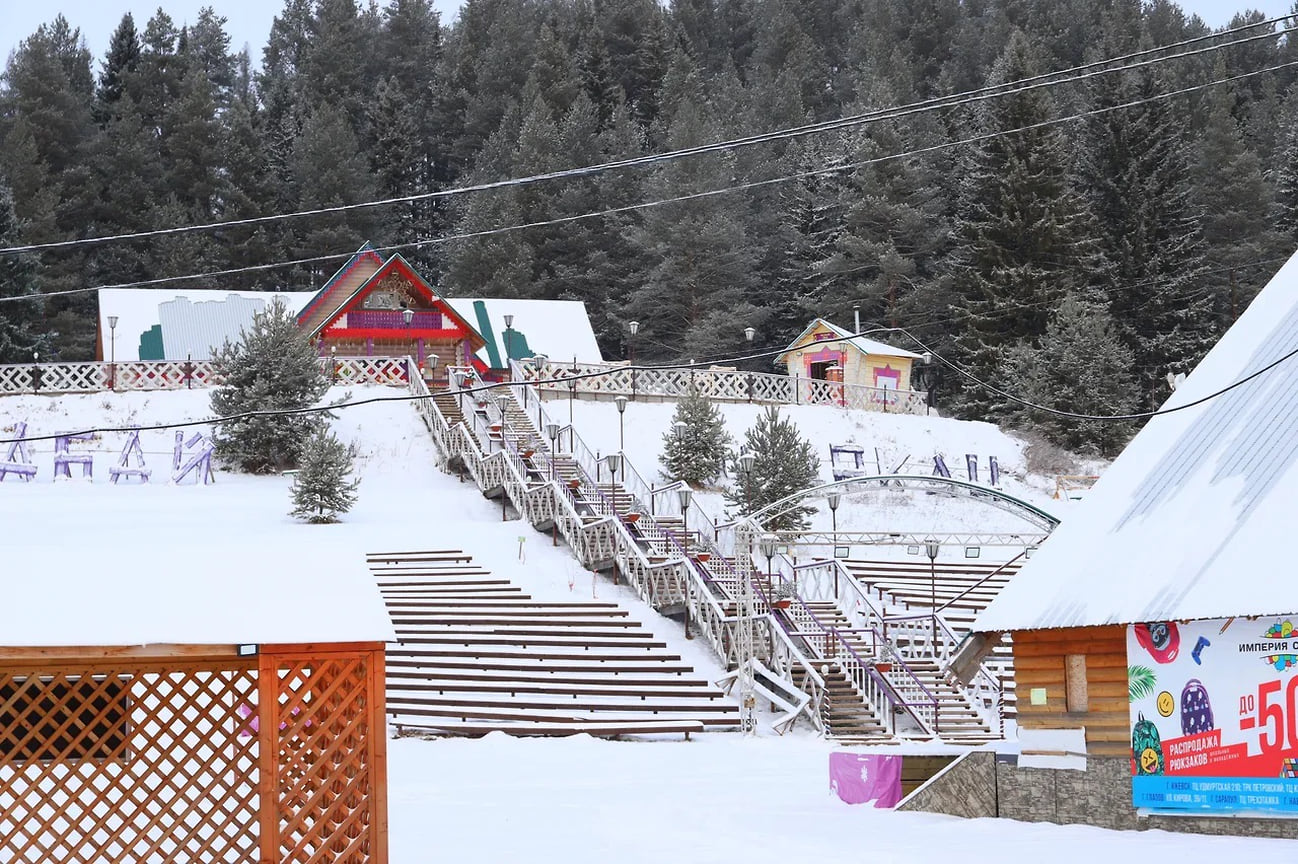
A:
(476, 655)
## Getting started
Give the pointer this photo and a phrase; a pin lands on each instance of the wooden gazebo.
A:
(210, 706)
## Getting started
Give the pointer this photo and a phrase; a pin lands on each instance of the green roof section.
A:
(516, 347)
(484, 328)
(151, 347)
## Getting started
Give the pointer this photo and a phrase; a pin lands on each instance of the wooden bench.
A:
(526, 675)
(616, 666)
(528, 655)
(556, 714)
(395, 688)
(559, 730)
(427, 555)
(628, 640)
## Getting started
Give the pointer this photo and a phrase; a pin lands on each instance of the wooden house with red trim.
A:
(221, 702)
(360, 312)
(826, 352)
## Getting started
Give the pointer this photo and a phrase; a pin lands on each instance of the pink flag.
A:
(862, 777)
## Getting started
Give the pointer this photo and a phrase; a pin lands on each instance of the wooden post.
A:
(268, 815)
(378, 738)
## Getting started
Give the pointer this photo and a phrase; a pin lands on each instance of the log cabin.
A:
(1159, 619)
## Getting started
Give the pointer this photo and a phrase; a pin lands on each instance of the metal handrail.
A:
(889, 655)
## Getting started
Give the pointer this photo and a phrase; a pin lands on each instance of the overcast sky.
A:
(248, 21)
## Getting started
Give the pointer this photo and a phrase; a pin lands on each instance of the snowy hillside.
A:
(891, 442)
(576, 800)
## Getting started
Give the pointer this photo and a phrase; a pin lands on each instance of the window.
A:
(70, 718)
(1075, 683)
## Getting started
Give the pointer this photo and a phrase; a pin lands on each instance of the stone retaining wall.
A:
(986, 784)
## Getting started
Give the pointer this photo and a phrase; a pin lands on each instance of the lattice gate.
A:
(170, 760)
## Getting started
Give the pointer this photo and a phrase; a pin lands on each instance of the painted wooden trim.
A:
(378, 741)
(109, 652)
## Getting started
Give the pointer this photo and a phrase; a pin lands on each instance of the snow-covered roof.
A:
(861, 343)
(191, 322)
(559, 329)
(1193, 518)
(222, 591)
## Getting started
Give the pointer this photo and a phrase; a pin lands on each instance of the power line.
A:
(802, 175)
(1045, 80)
(1119, 418)
(694, 365)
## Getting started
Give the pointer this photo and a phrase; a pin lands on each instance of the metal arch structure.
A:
(1030, 513)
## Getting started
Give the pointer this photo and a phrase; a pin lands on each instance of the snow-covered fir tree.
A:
(1080, 365)
(323, 487)
(17, 279)
(698, 453)
(272, 368)
(1022, 233)
(785, 463)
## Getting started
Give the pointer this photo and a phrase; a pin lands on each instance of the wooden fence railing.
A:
(723, 385)
(173, 375)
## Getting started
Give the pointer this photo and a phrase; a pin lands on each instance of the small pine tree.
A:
(273, 367)
(322, 488)
(786, 463)
(698, 454)
(1080, 365)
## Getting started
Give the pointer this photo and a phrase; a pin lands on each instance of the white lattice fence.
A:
(724, 385)
(172, 375)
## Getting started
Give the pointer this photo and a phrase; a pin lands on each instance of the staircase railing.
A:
(902, 691)
(908, 637)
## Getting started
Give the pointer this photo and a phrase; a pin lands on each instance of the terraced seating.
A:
(477, 654)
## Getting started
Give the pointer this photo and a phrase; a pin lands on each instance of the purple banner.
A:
(861, 777)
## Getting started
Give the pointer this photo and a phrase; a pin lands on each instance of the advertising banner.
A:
(1214, 715)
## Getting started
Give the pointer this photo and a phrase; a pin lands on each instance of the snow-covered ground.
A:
(717, 797)
(891, 442)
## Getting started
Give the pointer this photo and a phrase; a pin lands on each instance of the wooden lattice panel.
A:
(127, 763)
(324, 770)
(271, 758)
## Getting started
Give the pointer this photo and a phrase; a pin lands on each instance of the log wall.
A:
(1040, 663)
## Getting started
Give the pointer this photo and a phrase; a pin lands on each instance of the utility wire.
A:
(1143, 415)
(693, 365)
(562, 220)
(1045, 80)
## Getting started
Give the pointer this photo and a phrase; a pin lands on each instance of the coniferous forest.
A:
(1081, 239)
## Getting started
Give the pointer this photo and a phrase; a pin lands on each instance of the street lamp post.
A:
(408, 315)
(613, 460)
(538, 363)
(572, 389)
(620, 402)
(766, 544)
(684, 494)
(832, 500)
(749, 333)
(746, 461)
(928, 375)
(931, 547)
(112, 352)
(461, 382)
(509, 339)
(431, 363)
(333, 364)
(634, 327)
(36, 371)
(552, 432)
